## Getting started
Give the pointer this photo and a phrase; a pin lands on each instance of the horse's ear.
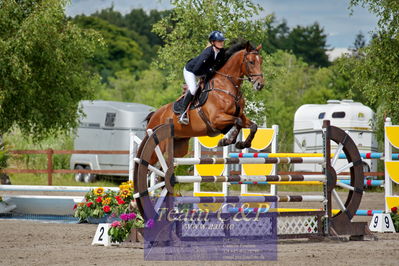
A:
(259, 47)
(248, 47)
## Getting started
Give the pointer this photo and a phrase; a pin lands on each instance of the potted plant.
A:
(395, 218)
(101, 206)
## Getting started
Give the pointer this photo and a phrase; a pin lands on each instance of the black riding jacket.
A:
(205, 64)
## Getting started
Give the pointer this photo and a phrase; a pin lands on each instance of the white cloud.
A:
(336, 53)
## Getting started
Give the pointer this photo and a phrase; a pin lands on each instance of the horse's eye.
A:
(252, 62)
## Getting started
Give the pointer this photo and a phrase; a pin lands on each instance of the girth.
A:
(211, 131)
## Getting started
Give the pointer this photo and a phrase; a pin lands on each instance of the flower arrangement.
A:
(395, 218)
(100, 203)
(120, 230)
(118, 206)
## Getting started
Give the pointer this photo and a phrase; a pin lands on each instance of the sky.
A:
(333, 15)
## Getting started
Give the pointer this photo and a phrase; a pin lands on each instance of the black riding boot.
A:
(186, 101)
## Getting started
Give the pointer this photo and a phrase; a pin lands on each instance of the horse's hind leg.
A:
(181, 147)
(253, 128)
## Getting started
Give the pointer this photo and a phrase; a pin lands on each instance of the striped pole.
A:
(242, 199)
(369, 155)
(280, 160)
(263, 210)
(252, 179)
(51, 188)
(369, 183)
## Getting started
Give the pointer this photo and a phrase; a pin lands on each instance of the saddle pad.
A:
(199, 100)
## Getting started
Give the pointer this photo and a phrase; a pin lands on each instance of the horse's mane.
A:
(236, 45)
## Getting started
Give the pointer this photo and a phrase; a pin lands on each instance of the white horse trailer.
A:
(106, 126)
(350, 116)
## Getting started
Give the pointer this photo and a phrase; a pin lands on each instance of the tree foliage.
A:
(136, 20)
(124, 49)
(43, 67)
(376, 73)
(185, 31)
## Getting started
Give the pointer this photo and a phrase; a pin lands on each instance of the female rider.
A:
(203, 65)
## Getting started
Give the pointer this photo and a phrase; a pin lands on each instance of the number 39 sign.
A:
(381, 222)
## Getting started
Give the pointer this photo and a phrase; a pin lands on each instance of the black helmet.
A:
(216, 36)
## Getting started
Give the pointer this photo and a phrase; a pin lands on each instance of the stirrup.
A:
(184, 120)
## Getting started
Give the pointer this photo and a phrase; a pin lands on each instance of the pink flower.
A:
(116, 224)
(99, 199)
(394, 209)
(132, 216)
(124, 217)
(89, 204)
(74, 206)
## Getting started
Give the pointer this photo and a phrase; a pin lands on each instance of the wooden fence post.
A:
(50, 166)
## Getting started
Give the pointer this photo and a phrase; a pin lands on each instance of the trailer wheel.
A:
(79, 177)
(89, 178)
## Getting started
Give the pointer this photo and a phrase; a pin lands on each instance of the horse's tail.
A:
(148, 117)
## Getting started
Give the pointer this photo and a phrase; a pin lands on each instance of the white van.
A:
(106, 126)
(350, 116)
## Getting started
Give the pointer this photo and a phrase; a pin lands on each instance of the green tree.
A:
(43, 67)
(139, 88)
(309, 43)
(124, 49)
(376, 73)
(136, 20)
(277, 36)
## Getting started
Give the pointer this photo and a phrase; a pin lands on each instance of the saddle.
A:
(199, 98)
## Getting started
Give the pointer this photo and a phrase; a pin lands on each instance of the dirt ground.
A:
(39, 243)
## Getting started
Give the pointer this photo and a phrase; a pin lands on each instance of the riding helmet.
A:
(216, 36)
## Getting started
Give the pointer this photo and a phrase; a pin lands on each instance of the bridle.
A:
(247, 74)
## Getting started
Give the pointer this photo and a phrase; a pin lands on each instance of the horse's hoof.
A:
(221, 143)
(240, 145)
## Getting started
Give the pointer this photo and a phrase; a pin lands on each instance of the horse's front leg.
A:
(253, 128)
(224, 120)
(231, 137)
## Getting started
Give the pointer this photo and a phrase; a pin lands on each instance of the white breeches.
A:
(190, 79)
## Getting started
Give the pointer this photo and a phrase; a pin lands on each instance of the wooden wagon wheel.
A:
(341, 222)
(149, 180)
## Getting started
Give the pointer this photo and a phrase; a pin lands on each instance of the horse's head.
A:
(253, 66)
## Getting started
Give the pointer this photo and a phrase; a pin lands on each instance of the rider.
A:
(203, 65)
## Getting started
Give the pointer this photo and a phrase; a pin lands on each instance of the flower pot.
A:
(97, 220)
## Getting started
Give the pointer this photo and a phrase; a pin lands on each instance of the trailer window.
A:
(321, 115)
(110, 119)
(338, 115)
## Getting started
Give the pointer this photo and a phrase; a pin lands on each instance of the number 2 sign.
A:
(101, 236)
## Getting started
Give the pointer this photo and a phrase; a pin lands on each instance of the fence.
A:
(50, 171)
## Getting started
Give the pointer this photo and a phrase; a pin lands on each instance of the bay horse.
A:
(224, 109)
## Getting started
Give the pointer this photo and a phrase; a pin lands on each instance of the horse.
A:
(223, 110)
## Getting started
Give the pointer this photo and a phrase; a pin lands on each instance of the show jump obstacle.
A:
(391, 166)
(160, 182)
